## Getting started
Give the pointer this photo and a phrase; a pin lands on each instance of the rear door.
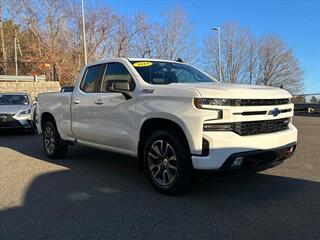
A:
(83, 98)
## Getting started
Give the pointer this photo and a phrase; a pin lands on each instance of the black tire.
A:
(53, 145)
(35, 121)
(170, 181)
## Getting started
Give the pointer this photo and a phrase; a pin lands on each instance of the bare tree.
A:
(173, 39)
(144, 41)
(235, 61)
(266, 61)
(277, 65)
(127, 32)
(46, 26)
(100, 31)
(251, 69)
(313, 100)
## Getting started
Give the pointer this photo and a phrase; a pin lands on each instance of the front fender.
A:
(192, 140)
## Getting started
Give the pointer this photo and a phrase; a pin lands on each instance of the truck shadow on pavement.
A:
(99, 195)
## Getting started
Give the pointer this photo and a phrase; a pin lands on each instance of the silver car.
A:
(15, 109)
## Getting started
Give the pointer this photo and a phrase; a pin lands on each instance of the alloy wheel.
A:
(49, 141)
(162, 161)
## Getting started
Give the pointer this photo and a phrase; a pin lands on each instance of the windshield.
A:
(157, 72)
(11, 99)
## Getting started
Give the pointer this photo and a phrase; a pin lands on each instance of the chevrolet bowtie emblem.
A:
(275, 112)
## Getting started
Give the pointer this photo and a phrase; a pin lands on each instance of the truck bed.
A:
(57, 104)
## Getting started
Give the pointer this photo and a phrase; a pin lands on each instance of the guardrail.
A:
(14, 78)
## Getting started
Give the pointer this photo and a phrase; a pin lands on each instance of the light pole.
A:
(219, 51)
(15, 53)
(84, 34)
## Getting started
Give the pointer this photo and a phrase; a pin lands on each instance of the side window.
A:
(92, 77)
(116, 72)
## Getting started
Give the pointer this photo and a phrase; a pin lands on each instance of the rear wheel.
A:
(53, 145)
(167, 162)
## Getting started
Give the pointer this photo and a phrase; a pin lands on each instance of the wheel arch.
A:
(45, 117)
(156, 123)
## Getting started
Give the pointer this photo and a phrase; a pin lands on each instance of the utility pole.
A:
(3, 50)
(15, 52)
(219, 51)
(84, 34)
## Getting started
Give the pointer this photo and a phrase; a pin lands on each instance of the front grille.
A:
(254, 102)
(261, 102)
(6, 117)
(7, 120)
(260, 127)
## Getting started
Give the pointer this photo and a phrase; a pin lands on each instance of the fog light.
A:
(290, 150)
(237, 162)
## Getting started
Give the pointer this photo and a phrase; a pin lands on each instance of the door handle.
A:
(76, 101)
(98, 102)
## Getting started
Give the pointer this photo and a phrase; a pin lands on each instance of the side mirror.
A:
(118, 85)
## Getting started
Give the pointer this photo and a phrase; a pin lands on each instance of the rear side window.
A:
(92, 78)
(116, 72)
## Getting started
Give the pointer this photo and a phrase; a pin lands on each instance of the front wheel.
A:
(167, 162)
(53, 145)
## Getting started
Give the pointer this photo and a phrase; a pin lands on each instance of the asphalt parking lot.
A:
(93, 194)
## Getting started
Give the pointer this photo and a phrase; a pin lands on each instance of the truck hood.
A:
(13, 109)
(234, 91)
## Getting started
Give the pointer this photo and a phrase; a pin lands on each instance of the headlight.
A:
(209, 103)
(203, 103)
(25, 112)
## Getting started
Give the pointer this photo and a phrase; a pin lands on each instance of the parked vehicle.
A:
(173, 117)
(15, 109)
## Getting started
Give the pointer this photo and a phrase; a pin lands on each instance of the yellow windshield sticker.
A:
(142, 64)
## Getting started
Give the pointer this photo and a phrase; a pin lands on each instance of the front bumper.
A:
(256, 149)
(10, 121)
(258, 158)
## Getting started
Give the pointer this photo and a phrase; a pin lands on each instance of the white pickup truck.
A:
(172, 116)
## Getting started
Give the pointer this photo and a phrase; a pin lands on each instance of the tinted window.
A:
(116, 71)
(92, 77)
(14, 99)
(185, 76)
(155, 72)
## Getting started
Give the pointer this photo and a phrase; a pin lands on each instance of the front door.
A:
(114, 110)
